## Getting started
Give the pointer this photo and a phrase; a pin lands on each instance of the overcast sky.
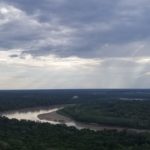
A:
(74, 44)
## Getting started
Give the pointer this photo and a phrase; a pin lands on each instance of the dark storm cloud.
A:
(72, 11)
(14, 55)
(87, 28)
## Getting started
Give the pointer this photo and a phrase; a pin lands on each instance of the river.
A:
(50, 115)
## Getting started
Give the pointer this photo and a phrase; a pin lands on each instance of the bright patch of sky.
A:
(74, 44)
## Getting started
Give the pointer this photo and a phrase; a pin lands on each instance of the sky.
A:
(59, 44)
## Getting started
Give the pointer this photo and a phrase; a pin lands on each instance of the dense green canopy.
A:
(132, 114)
(26, 135)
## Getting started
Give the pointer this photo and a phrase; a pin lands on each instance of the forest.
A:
(131, 114)
(29, 135)
(17, 99)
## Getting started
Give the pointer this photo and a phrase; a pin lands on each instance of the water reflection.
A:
(31, 114)
(50, 115)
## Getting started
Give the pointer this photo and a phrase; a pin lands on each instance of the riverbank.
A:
(51, 115)
(61, 119)
(31, 113)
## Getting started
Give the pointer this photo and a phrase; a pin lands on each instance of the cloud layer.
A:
(90, 43)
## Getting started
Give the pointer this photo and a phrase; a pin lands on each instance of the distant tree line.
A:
(33, 98)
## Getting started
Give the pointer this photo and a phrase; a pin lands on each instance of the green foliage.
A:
(133, 114)
(26, 135)
(95, 106)
(17, 99)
